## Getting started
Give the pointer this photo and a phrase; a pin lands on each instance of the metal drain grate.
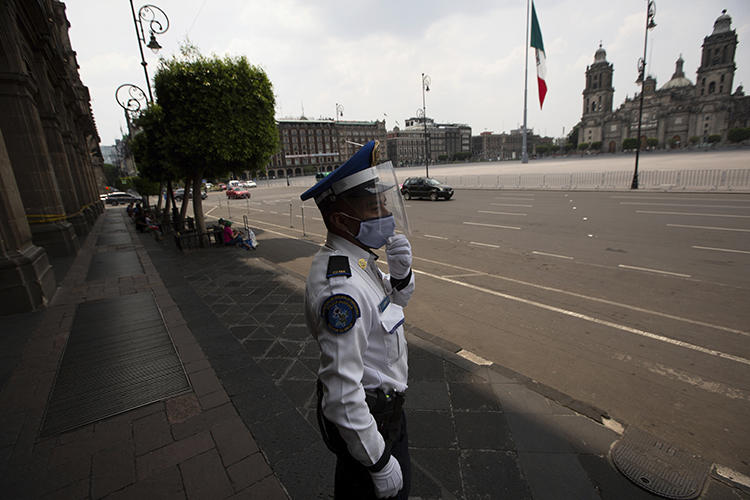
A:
(119, 356)
(658, 467)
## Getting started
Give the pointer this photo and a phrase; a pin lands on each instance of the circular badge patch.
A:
(340, 312)
(362, 263)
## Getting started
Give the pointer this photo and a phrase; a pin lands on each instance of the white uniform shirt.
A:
(371, 353)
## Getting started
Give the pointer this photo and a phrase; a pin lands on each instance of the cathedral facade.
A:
(677, 114)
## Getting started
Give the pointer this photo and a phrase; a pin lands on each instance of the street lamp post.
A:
(131, 99)
(425, 88)
(650, 24)
(158, 23)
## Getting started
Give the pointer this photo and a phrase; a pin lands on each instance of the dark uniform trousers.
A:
(352, 479)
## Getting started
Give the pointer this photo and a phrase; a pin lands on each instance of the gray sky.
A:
(369, 56)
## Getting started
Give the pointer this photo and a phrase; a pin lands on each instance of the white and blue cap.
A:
(358, 176)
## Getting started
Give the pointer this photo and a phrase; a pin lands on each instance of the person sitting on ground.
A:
(232, 237)
(129, 210)
(140, 221)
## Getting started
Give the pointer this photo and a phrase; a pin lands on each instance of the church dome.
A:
(678, 77)
(723, 23)
(600, 55)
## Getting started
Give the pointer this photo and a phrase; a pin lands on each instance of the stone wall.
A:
(50, 163)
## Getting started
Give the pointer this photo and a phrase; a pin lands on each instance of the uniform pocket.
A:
(392, 320)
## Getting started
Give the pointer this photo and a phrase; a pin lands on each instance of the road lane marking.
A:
(498, 213)
(691, 213)
(491, 225)
(474, 358)
(483, 244)
(624, 266)
(552, 255)
(467, 275)
(435, 237)
(308, 217)
(591, 319)
(713, 228)
(685, 377)
(533, 285)
(678, 204)
(514, 198)
(511, 205)
(675, 198)
(720, 249)
(207, 213)
(593, 299)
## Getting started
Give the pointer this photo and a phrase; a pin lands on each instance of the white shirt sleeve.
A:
(341, 368)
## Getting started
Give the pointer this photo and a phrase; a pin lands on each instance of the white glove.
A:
(398, 253)
(388, 480)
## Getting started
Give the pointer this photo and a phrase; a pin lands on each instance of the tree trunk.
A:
(158, 203)
(185, 199)
(169, 203)
(200, 221)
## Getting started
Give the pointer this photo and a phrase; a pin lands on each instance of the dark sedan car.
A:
(121, 198)
(425, 187)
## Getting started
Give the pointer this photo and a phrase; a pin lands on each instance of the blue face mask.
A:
(374, 233)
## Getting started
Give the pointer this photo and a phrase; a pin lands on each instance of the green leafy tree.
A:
(149, 147)
(573, 134)
(583, 146)
(629, 143)
(110, 174)
(738, 134)
(652, 142)
(713, 139)
(219, 115)
(694, 139)
(596, 146)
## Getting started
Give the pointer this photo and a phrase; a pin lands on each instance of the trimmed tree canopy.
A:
(219, 114)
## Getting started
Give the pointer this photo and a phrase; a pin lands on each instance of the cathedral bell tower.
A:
(716, 72)
(597, 96)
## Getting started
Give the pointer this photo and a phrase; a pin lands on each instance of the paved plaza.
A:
(245, 428)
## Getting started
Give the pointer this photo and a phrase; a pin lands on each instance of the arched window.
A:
(712, 87)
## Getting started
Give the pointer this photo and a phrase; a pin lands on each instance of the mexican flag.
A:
(541, 59)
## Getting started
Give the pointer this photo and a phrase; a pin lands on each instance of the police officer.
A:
(355, 312)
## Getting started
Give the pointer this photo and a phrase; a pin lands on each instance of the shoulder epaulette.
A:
(338, 265)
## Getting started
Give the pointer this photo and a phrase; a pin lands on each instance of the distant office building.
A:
(109, 154)
(309, 146)
(505, 146)
(445, 142)
(679, 112)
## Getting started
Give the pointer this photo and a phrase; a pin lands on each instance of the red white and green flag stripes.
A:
(541, 59)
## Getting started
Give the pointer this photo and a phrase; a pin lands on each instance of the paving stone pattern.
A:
(194, 445)
(474, 432)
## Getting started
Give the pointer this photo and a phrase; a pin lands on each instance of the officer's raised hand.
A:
(398, 253)
(388, 480)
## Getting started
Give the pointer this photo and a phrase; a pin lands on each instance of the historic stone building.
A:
(505, 146)
(407, 146)
(321, 145)
(50, 163)
(679, 112)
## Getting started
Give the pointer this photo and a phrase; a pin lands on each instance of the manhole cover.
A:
(659, 467)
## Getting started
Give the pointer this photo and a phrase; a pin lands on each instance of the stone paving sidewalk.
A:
(475, 431)
(247, 428)
(190, 446)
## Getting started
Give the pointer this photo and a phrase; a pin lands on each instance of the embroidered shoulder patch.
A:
(338, 265)
(340, 312)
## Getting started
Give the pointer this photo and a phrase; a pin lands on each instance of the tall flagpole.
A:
(524, 154)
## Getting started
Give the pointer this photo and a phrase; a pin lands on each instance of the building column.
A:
(29, 158)
(27, 280)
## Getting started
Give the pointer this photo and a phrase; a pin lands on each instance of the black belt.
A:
(386, 409)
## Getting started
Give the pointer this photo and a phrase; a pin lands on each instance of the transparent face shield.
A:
(378, 204)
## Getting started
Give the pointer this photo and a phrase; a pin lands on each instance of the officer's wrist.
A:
(381, 463)
(401, 283)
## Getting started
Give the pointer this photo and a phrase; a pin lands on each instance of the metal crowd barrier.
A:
(657, 180)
